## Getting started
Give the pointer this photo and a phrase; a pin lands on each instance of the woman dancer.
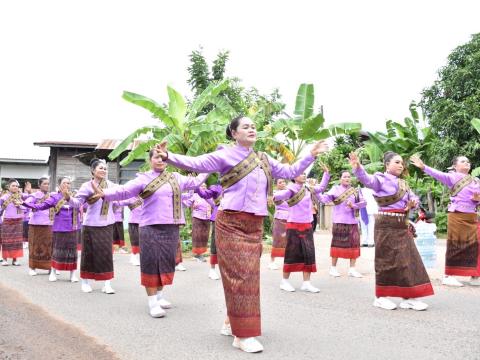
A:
(246, 181)
(97, 259)
(399, 270)
(462, 257)
(345, 235)
(300, 249)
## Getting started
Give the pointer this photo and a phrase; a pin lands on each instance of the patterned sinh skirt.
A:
(97, 258)
(134, 238)
(399, 270)
(345, 241)
(178, 253)
(118, 236)
(300, 250)
(25, 227)
(158, 245)
(213, 246)
(239, 247)
(64, 255)
(79, 239)
(279, 234)
(462, 256)
(200, 232)
(40, 247)
(12, 238)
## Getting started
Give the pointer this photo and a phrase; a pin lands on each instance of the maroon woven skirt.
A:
(64, 256)
(300, 250)
(345, 241)
(97, 258)
(279, 234)
(40, 247)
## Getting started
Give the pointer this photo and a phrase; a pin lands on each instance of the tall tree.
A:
(451, 103)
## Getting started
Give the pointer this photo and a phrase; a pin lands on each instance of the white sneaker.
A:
(52, 277)
(226, 330)
(354, 273)
(474, 281)
(4, 262)
(249, 345)
(57, 272)
(413, 304)
(334, 272)
(122, 251)
(136, 260)
(16, 263)
(180, 267)
(212, 274)
(307, 286)
(384, 303)
(451, 281)
(107, 289)
(86, 288)
(73, 278)
(164, 304)
(32, 272)
(273, 266)
(285, 285)
(157, 311)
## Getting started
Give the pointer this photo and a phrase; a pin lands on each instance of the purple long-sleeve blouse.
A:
(250, 193)
(302, 211)
(11, 211)
(281, 210)
(209, 194)
(64, 218)
(93, 216)
(462, 202)
(342, 213)
(157, 208)
(384, 184)
(38, 217)
(136, 212)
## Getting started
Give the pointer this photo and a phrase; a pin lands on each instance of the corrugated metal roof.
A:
(66, 144)
(110, 144)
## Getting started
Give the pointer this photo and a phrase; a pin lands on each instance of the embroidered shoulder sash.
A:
(392, 199)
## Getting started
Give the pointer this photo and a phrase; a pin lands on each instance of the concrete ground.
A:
(337, 323)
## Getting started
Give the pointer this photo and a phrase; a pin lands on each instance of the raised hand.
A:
(319, 147)
(411, 204)
(64, 190)
(161, 149)
(415, 160)
(476, 196)
(324, 167)
(99, 194)
(28, 187)
(354, 160)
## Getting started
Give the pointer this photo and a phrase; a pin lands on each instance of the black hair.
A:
(95, 162)
(389, 155)
(151, 153)
(41, 180)
(60, 179)
(12, 181)
(233, 126)
(456, 158)
(345, 171)
(276, 182)
(429, 215)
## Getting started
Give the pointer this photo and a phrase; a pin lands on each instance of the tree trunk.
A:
(430, 201)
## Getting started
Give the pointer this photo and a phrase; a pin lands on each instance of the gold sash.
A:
(51, 211)
(461, 184)
(136, 204)
(16, 199)
(104, 212)
(157, 183)
(392, 199)
(59, 206)
(345, 195)
(245, 167)
(295, 199)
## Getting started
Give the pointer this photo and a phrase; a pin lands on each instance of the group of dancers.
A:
(238, 206)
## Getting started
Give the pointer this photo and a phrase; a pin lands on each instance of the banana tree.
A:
(181, 124)
(289, 136)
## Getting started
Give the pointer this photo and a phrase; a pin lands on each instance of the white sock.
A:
(306, 282)
(52, 271)
(152, 301)
(159, 294)
(107, 283)
(285, 281)
(85, 282)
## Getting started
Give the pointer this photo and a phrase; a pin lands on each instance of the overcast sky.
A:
(64, 64)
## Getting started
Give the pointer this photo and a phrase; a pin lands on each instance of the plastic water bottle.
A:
(425, 241)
